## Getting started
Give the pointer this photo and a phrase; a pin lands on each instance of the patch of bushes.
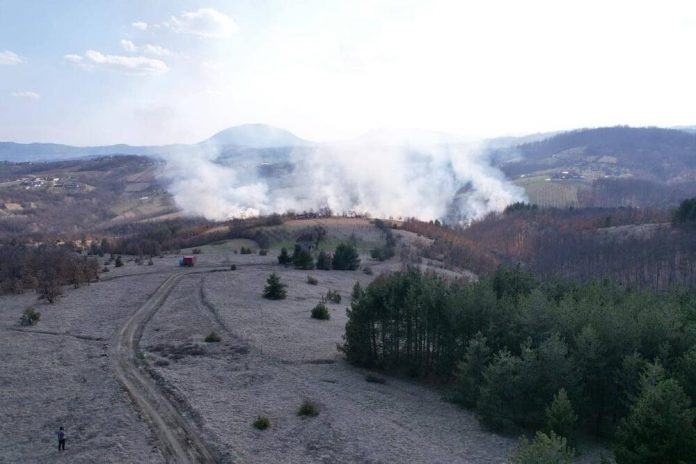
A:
(245, 250)
(333, 296)
(374, 379)
(367, 270)
(308, 408)
(263, 252)
(274, 289)
(262, 422)
(321, 312)
(105, 269)
(212, 338)
(233, 267)
(312, 280)
(196, 251)
(119, 261)
(30, 316)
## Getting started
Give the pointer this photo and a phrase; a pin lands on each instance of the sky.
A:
(173, 71)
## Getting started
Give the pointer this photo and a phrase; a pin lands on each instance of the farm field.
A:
(551, 193)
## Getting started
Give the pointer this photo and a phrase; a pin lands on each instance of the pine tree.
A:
(560, 416)
(470, 370)
(302, 259)
(659, 428)
(274, 289)
(324, 261)
(345, 258)
(544, 449)
(284, 258)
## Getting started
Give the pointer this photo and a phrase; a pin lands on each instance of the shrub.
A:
(30, 316)
(212, 338)
(308, 409)
(263, 252)
(374, 379)
(196, 251)
(367, 270)
(345, 258)
(233, 267)
(320, 311)
(274, 289)
(333, 296)
(262, 422)
(312, 280)
(245, 251)
(105, 269)
(119, 261)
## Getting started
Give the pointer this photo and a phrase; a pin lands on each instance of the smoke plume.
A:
(448, 181)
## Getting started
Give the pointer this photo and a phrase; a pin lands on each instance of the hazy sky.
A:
(164, 71)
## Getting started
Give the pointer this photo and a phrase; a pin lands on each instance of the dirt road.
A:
(179, 441)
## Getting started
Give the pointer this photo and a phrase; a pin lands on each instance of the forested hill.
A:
(667, 155)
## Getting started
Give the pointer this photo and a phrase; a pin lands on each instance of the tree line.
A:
(639, 248)
(512, 345)
(44, 269)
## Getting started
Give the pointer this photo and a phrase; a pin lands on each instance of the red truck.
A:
(188, 261)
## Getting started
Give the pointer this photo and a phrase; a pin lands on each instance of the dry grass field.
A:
(271, 356)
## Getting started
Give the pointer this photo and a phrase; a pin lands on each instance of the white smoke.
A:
(453, 181)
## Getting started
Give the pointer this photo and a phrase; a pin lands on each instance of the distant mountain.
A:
(256, 136)
(247, 136)
(40, 152)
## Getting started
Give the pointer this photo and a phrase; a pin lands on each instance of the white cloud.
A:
(26, 94)
(73, 58)
(140, 25)
(204, 22)
(131, 64)
(148, 49)
(128, 45)
(8, 57)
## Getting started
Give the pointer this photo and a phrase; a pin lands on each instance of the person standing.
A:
(61, 439)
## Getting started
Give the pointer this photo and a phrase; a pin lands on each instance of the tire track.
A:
(179, 440)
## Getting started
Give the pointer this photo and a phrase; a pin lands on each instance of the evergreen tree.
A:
(544, 449)
(659, 429)
(470, 370)
(560, 416)
(302, 259)
(346, 257)
(284, 258)
(274, 289)
(324, 261)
